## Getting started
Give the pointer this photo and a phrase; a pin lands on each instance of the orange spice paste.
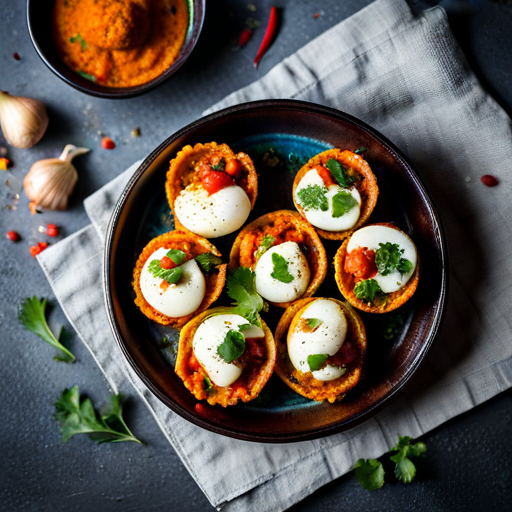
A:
(119, 43)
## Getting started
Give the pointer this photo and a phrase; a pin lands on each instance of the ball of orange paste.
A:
(114, 24)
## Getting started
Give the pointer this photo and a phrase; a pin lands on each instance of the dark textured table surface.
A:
(469, 460)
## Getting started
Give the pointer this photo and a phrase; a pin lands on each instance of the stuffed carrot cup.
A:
(210, 190)
(286, 255)
(321, 343)
(177, 275)
(336, 191)
(223, 359)
(377, 268)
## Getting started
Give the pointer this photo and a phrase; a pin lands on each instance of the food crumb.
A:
(489, 180)
(316, 15)
(467, 179)
(135, 132)
(16, 56)
(5, 163)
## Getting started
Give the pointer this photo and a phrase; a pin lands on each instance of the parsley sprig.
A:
(313, 198)
(171, 275)
(32, 316)
(367, 290)
(389, 257)
(241, 287)
(77, 417)
(232, 347)
(281, 272)
(339, 173)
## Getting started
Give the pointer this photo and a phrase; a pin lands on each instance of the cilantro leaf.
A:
(171, 275)
(208, 261)
(370, 473)
(240, 286)
(339, 173)
(221, 166)
(265, 245)
(280, 272)
(316, 361)
(32, 316)
(313, 323)
(388, 258)
(313, 198)
(367, 289)
(77, 417)
(79, 38)
(405, 470)
(177, 256)
(232, 347)
(207, 384)
(342, 202)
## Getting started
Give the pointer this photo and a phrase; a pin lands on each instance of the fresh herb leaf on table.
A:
(280, 272)
(32, 316)
(240, 286)
(405, 470)
(313, 198)
(77, 417)
(208, 261)
(232, 347)
(339, 173)
(370, 473)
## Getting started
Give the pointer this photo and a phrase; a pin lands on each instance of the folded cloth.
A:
(405, 76)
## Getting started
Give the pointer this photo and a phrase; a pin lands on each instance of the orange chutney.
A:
(119, 43)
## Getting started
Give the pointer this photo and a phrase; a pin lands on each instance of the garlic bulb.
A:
(50, 182)
(23, 120)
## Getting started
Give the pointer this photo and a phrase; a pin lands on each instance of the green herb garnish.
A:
(232, 347)
(221, 166)
(240, 286)
(360, 150)
(388, 258)
(207, 384)
(171, 275)
(280, 272)
(317, 361)
(177, 256)
(81, 418)
(342, 202)
(265, 245)
(370, 473)
(392, 327)
(367, 289)
(272, 158)
(313, 198)
(79, 38)
(32, 316)
(313, 323)
(92, 78)
(208, 261)
(405, 470)
(244, 327)
(339, 173)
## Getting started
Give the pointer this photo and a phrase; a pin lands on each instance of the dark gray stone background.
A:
(469, 461)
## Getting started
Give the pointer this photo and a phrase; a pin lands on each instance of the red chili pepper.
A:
(489, 181)
(268, 37)
(52, 230)
(38, 249)
(107, 143)
(245, 37)
(13, 236)
(17, 56)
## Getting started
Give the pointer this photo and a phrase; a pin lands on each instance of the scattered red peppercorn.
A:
(107, 143)
(489, 181)
(245, 37)
(16, 56)
(13, 236)
(52, 230)
(316, 15)
(38, 249)
(201, 409)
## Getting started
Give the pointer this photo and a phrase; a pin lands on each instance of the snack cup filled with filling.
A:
(211, 191)
(321, 343)
(286, 255)
(336, 191)
(177, 275)
(377, 268)
(223, 359)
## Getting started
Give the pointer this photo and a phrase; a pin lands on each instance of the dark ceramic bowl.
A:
(295, 131)
(39, 20)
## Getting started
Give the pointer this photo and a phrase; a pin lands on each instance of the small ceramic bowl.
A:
(39, 20)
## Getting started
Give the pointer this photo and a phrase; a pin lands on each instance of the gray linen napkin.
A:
(406, 77)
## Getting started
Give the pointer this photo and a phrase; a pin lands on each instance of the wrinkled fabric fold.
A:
(405, 76)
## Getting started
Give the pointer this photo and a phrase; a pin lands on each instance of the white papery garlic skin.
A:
(23, 120)
(50, 182)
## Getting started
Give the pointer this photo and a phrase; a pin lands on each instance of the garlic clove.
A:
(50, 182)
(23, 120)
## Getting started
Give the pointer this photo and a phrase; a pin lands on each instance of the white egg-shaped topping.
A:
(178, 299)
(324, 219)
(215, 215)
(276, 290)
(370, 237)
(325, 338)
(209, 336)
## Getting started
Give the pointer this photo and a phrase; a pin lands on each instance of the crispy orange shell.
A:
(224, 396)
(182, 167)
(188, 242)
(304, 383)
(367, 186)
(346, 282)
(316, 256)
